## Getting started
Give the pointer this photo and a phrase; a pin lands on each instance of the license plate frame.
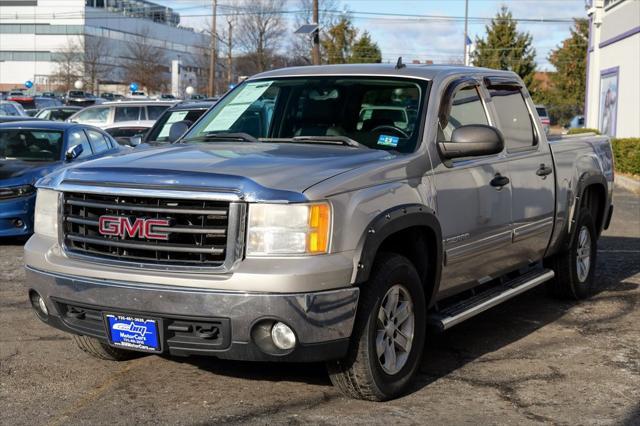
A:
(134, 332)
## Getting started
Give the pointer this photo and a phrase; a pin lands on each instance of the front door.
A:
(474, 212)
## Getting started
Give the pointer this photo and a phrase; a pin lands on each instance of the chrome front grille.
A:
(184, 232)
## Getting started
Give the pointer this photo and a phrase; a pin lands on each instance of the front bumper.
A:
(16, 216)
(322, 321)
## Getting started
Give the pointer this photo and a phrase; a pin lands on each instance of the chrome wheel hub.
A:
(583, 254)
(394, 330)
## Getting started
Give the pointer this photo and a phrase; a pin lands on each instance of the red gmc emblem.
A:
(122, 226)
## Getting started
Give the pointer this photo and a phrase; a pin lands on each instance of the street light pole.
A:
(466, 36)
(212, 55)
(316, 35)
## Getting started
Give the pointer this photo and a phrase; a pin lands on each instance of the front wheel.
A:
(388, 336)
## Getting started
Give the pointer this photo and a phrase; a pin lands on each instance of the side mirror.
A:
(178, 129)
(472, 140)
(135, 140)
(74, 152)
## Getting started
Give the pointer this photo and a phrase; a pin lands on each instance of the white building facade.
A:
(612, 102)
(33, 33)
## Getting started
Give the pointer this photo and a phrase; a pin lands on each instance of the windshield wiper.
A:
(333, 140)
(239, 136)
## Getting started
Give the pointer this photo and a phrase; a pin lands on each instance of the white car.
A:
(114, 112)
(123, 131)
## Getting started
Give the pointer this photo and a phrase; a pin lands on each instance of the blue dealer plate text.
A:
(131, 332)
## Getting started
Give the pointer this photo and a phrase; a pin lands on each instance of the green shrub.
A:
(582, 130)
(626, 154)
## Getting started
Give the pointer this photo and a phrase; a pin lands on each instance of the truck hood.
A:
(258, 171)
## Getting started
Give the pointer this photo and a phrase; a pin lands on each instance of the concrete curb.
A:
(627, 182)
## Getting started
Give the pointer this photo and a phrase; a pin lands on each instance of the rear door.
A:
(530, 170)
(475, 214)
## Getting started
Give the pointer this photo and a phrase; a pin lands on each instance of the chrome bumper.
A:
(317, 318)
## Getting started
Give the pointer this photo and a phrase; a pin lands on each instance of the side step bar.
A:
(461, 311)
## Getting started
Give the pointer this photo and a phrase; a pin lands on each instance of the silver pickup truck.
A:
(332, 213)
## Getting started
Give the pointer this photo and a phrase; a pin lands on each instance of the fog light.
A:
(283, 336)
(42, 306)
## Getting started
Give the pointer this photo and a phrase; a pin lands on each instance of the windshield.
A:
(8, 109)
(31, 145)
(378, 112)
(160, 131)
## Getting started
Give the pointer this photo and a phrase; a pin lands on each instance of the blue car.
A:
(32, 149)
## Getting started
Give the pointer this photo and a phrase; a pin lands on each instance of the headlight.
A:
(46, 216)
(16, 191)
(288, 229)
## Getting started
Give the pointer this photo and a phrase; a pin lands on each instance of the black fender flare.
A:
(394, 220)
(586, 180)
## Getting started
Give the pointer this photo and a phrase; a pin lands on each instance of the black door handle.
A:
(499, 181)
(544, 170)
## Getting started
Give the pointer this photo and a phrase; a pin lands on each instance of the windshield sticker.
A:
(174, 117)
(230, 113)
(386, 140)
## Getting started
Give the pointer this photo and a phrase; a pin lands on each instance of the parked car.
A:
(137, 96)
(577, 122)
(59, 113)
(185, 113)
(283, 226)
(36, 103)
(124, 131)
(49, 95)
(12, 109)
(544, 118)
(32, 149)
(114, 112)
(80, 98)
(111, 96)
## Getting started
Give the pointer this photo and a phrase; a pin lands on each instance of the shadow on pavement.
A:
(488, 332)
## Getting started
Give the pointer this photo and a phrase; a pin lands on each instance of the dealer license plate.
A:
(131, 332)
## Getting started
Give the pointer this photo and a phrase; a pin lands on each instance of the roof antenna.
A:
(399, 64)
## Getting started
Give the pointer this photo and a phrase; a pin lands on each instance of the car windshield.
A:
(160, 131)
(30, 145)
(377, 112)
(8, 109)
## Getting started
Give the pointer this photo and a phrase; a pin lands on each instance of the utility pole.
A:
(466, 36)
(211, 89)
(315, 53)
(229, 54)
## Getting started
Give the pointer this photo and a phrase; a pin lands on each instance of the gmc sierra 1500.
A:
(326, 213)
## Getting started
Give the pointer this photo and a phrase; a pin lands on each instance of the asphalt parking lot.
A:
(531, 360)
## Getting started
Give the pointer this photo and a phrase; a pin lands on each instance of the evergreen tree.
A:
(338, 41)
(506, 48)
(565, 96)
(365, 50)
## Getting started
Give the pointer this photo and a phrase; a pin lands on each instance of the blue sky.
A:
(440, 40)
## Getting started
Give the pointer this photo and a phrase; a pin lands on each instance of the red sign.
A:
(140, 227)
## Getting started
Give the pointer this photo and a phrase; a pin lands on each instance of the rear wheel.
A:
(388, 336)
(575, 267)
(101, 350)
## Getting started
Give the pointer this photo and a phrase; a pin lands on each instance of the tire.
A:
(98, 349)
(363, 374)
(572, 280)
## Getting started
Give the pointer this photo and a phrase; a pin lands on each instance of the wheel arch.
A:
(411, 230)
(592, 193)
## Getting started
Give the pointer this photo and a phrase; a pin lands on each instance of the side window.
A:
(98, 142)
(127, 113)
(155, 111)
(93, 115)
(466, 108)
(514, 117)
(78, 137)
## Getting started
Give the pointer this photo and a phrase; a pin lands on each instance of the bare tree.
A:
(146, 64)
(96, 61)
(261, 30)
(68, 63)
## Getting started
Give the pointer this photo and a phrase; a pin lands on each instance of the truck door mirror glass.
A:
(178, 129)
(74, 152)
(471, 141)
